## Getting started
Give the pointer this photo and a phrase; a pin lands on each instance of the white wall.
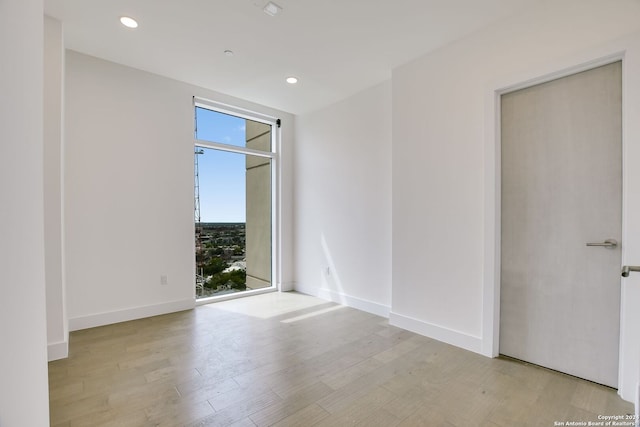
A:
(439, 190)
(129, 191)
(342, 201)
(23, 332)
(57, 330)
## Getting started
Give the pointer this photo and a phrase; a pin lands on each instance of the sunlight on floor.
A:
(312, 314)
(268, 305)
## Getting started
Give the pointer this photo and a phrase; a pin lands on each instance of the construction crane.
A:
(196, 198)
(198, 225)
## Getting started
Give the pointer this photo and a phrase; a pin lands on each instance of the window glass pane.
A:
(221, 128)
(233, 222)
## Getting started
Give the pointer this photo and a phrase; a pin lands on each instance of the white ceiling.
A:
(335, 47)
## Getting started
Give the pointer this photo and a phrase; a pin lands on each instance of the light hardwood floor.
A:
(293, 360)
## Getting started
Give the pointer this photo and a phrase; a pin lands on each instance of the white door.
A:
(561, 189)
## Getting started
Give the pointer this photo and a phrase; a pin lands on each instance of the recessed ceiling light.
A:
(228, 52)
(292, 80)
(128, 22)
(272, 9)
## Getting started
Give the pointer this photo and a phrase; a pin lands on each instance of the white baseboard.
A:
(449, 336)
(101, 319)
(58, 350)
(347, 300)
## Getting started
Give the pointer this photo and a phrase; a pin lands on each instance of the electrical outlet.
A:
(164, 280)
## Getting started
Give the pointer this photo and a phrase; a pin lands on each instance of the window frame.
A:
(273, 155)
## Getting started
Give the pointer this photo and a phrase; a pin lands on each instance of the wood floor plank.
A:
(399, 349)
(294, 360)
(289, 406)
(178, 412)
(245, 422)
(340, 379)
(113, 419)
(359, 410)
(430, 415)
(308, 416)
(231, 397)
(406, 404)
(207, 389)
(64, 412)
(240, 410)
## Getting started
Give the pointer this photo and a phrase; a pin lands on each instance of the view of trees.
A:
(235, 279)
(220, 255)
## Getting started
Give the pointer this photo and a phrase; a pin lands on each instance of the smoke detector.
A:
(272, 9)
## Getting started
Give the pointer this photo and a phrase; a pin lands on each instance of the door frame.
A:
(628, 381)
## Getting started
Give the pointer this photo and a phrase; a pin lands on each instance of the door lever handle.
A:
(609, 243)
(629, 268)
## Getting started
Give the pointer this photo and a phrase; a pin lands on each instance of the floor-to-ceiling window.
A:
(234, 201)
